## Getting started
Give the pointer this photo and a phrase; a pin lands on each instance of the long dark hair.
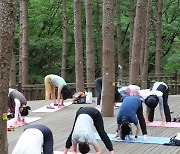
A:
(66, 93)
(84, 147)
(125, 129)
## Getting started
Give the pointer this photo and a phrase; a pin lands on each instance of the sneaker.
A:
(50, 107)
(56, 104)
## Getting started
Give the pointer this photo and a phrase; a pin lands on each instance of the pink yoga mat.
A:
(61, 152)
(27, 119)
(56, 108)
(158, 124)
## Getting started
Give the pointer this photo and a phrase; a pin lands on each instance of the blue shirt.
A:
(129, 109)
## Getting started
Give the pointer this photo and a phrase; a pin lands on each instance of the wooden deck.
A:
(60, 122)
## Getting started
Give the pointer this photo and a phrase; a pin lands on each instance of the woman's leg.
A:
(47, 89)
(166, 106)
(98, 84)
(141, 120)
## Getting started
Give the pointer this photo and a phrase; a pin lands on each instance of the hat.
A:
(152, 101)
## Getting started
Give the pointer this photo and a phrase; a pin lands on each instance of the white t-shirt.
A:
(30, 142)
(84, 130)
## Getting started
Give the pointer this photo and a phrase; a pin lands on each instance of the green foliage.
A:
(46, 33)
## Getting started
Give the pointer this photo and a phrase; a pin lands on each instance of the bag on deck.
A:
(174, 141)
(79, 98)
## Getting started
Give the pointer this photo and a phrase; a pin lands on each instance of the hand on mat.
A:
(116, 135)
(134, 138)
(144, 137)
(66, 150)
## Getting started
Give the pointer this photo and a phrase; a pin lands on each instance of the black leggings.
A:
(167, 113)
(98, 84)
(141, 119)
(98, 123)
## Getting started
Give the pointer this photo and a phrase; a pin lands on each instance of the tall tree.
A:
(7, 22)
(144, 76)
(119, 43)
(90, 65)
(78, 46)
(99, 40)
(132, 15)
(137, 41)
(12, 72)
(65, 28)
(158, 57)
(24, 43)
(108, 59)
(20, 42)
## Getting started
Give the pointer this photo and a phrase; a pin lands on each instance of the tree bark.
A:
(108, 60)
(132, 15)
(24, 42)
(158, 57)
(7, 23)
(137, 41)
(64, 52)
(119, 39)
(78, 46)
(12, 72)
(146, 50)
(99, 45)
(90, 65)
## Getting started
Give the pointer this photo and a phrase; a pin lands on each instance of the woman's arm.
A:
(137, 131)
(17, 107)
(98, 150)
(74, 148)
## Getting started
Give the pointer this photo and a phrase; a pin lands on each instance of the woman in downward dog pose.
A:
(131, 111)
(82, 134)
(35, 139)
(158, 94)
(17, 106)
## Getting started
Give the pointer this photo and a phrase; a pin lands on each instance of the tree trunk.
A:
(143, 40)
(24, 42)
(108, 59)
(119, 40)
(7, 23)
(78, 46)
(90, 66)
(158, 58)
(65, 28)
(137, 41)
(99, 40)
(132, 15)
(146, 51)
(20, 42)
(12, 72)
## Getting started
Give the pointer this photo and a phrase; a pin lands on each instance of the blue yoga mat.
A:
(150, 140)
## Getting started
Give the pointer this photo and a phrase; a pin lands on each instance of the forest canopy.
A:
(45, 23)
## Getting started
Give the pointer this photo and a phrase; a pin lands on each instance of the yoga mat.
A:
(116, 106)
(56, 108)
(61, 152)
(158, 124)
(150, 140)
(19, 124)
